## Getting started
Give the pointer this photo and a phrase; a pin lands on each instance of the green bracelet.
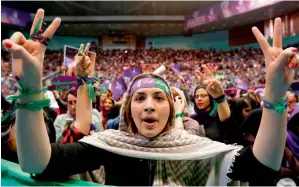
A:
(179, 115)
(279, 107)
(24, 91)
(33, 106)
(88, 81)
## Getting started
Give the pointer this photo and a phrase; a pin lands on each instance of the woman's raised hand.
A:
(28, 55)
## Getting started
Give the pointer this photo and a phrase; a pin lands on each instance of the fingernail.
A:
(292, 65)
(294, 49)
(8, 45)
(295, 65)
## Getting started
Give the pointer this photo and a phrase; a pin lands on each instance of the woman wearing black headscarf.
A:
(210, 105)
(240, 108)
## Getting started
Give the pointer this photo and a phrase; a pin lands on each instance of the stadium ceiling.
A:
(142, 18)
(109, 8)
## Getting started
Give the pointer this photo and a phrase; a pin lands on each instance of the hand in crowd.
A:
(84, 66)
(213, 86)
(179, 105)
(28, 55)
(279, 74)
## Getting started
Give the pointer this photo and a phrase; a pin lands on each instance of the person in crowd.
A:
(292, 100)
(63, 121)
(190, 125)
(105, 109)
(147, 150)
(113, 117)
(290, 164)
(210, 106)
(240, 108)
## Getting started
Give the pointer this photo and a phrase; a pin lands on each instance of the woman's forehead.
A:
(108, 100)
(201, 91)
(149, 91)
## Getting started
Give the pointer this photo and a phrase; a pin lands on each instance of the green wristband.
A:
(179, 115)
(33, 106)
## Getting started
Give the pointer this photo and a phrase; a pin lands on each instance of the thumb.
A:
(285, 55)
(17, 51)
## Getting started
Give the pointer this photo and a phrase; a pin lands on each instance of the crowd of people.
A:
(237, 68)
(150, 136)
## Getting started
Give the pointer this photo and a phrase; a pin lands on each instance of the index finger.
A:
(207, 71)
(261, 40)
(201, 75)
(80, 50)
(39, 16)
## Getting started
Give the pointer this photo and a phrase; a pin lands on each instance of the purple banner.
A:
(176, 68)
(132, 72)
(176, 84)
(230, 91)
(242, 85)
(60, 83)
(14, 17)
(63, 83)
(222, 10)
(118, 87)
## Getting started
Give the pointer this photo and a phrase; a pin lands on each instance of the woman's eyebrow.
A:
(140, 93)
(158, 92)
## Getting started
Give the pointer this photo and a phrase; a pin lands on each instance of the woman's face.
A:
(202, 99)
(108, 104)
(150, 111)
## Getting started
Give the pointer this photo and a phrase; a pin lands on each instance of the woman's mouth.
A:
(199, 104)
(149, 122)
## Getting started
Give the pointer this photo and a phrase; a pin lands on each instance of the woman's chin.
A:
(149, 133)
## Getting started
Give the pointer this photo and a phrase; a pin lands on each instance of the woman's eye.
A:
(160, 98)
(140, 98)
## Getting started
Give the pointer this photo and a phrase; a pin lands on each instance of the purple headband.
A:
(150, 82)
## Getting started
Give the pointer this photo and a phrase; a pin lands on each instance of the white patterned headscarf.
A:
(182, 159)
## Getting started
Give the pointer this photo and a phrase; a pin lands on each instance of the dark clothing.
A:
(74, 158)
(212, 126)
(209, 119)
(5, 105)
(8, 154)
(213, 130)
(114, 112)
(232, 132)
(51, 116)
(251, 123)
